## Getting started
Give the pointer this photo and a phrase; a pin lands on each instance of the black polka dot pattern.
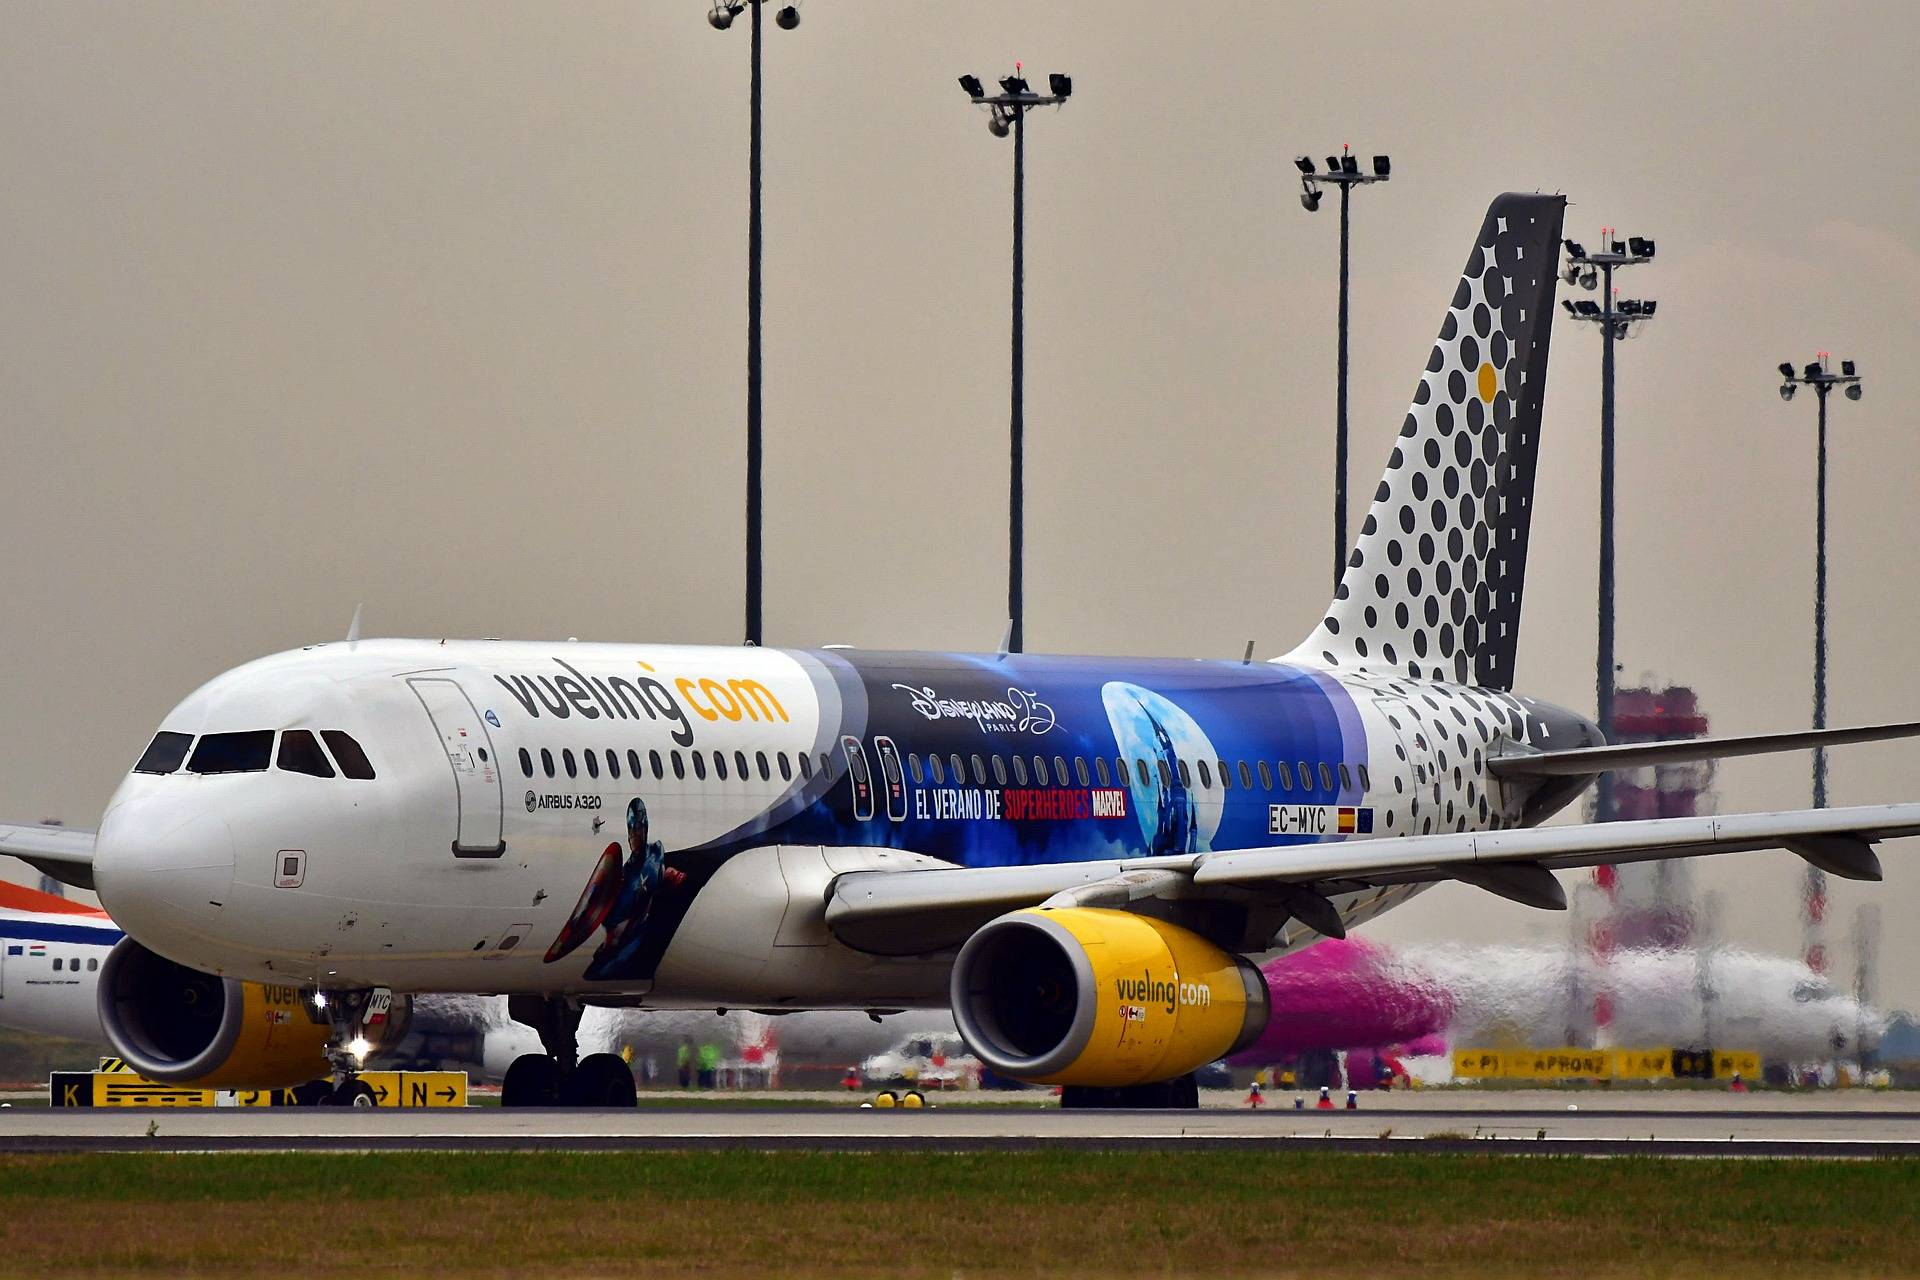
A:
(1436, 575)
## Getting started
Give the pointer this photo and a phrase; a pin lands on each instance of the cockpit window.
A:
(353, 761)
(164, 753)
(246, 752)
(300, 753)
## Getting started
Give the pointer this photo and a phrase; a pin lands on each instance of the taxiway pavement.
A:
(1680, 1123)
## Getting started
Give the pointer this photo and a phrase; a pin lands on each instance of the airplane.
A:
(1084, 858)
(50, 955)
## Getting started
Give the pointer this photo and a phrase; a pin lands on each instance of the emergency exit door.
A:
(476, 771)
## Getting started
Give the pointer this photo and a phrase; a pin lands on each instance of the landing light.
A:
(359, 1048)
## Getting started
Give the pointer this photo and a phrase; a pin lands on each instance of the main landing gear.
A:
(1182, 1094)
(560, 1077)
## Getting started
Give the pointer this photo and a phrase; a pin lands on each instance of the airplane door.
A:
(890, 774)
(476, 771)
(858, 777)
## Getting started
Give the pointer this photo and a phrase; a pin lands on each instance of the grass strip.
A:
(1080, 1213)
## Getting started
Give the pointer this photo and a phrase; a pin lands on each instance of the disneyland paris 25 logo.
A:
(1021, 711)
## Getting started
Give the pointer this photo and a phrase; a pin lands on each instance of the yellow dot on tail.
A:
(1489, 383)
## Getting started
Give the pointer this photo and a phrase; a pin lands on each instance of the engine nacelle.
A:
(1090, 996)
(180, 1026)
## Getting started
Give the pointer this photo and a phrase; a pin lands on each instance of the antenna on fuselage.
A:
(1247, 659)
(353, 628)
(1006, 639)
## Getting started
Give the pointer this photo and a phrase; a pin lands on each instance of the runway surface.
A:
(1687, 1124)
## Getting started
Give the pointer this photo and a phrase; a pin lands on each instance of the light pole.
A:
(1615, 316)
(1007, 114)
(1813, 895)
(1343, 171)
(721, 16)
(1822, 380)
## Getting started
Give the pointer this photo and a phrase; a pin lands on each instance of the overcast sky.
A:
(440, 307)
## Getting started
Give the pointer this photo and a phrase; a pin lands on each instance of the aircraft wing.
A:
(1586, 761)
(885, 911)
(64, 853)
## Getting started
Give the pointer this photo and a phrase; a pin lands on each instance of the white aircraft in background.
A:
(1082, 857)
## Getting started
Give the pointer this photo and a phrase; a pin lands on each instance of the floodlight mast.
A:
(1007, 115)
(1343, 171)
(1615, 317)
(1820, 376)
(720, 16)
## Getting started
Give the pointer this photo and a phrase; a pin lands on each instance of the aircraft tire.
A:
(533, 1080)
(601, 1080)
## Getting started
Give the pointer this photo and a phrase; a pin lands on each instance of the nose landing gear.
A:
(560, 1077)
(362, 1021)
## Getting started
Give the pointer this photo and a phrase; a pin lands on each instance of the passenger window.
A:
(740, 766)
(56, 964)
(1040, 771)
(679, 766)
(299, 753)
(1166, 775)
(1246, 776)
(1206, 775)
(1306, 776)
(653, 763)
(592, 762)
(92, 964)
(699, 765)
(999, 771)
(937, 769)
(567, 762)
(1326, 777)
(760, 758)
(613, 763)
(806, 765)
(913, 764)
(1286, 775)
(1346, 779)
(719, 765)
(826, 764)
(247, 752)
(1060, 770)
(1186, 775)
(1366, 783)
(347, 754)
(546, 761)
(1140, 767)
(164, 753)
(1266, 777)
(1019, 769)
(980, 771)
(1100, 769)
(526, 762)
(634, 768)
(786, 766)
(857, 763)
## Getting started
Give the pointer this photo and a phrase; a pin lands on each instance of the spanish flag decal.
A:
(1354, 821)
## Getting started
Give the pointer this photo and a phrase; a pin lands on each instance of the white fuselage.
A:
(50, 970)
(763, 774)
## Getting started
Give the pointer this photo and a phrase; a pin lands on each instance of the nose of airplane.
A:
(157, 860)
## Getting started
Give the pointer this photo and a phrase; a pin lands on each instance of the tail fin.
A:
(1432, 588)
